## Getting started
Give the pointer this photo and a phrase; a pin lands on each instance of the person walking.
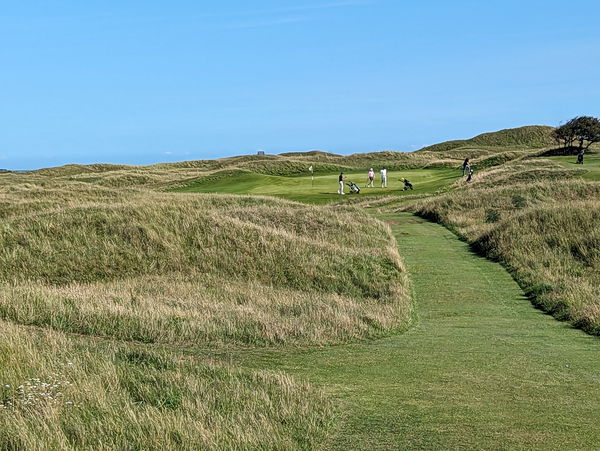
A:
(371, 178)
(384, 178)
(341, 183)
(580, 157)
(466, 167)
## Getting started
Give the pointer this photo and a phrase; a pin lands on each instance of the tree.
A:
(585, 129)
(565, 134)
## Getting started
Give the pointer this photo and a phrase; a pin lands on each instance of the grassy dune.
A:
(528, 137)
(87, 268)
(95, 254)
(199, 269)
(555, 252)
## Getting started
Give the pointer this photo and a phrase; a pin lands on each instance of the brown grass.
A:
(203, 269)
(115, 396)
(93, 255)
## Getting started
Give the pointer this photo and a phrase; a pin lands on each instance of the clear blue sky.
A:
(148, 81)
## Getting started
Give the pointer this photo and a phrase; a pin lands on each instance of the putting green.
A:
(591, 165)
(323, 188)
(481, 368)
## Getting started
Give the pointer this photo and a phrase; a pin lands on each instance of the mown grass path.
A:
(481, 368)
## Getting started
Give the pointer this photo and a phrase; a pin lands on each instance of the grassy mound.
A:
(555, 252)
(80, 255)
(531, 136)
(310, 153)
(205, 269)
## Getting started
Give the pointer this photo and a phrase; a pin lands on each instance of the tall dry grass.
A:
(64, 393)
(87, 266)
(197, 269)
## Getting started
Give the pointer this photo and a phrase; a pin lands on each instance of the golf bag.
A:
(354, 189)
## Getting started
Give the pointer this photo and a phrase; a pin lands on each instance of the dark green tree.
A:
(584, 129)
(565, 134)
(587, 130)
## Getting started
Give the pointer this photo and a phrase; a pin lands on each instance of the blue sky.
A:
(140, 82)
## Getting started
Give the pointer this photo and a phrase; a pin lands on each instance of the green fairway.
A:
(481, 369)
(323, 188)
(591, 165)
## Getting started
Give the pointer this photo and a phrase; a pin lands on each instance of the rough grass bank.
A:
(100, 286)
(201, 269)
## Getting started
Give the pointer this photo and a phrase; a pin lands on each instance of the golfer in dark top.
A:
(466, 167)
(341, 180)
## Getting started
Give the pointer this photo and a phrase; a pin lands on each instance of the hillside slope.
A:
(128, 265)
(528, 137)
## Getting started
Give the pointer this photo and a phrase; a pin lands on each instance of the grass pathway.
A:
(480, 369)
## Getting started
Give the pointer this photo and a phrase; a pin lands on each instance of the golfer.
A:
(371, 178)
(466, 167)
(384, 178)
(341, 181)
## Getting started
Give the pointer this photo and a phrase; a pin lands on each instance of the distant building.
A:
(260, 152)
